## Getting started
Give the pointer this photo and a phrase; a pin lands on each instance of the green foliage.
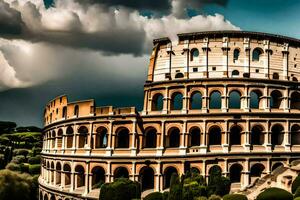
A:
(154, 196)
(16, 186)
(23, 152)
(18, 159)
(166, 195)
(24, 168)
(175, 188)
(214, 197)
(36, 151)
(120, 189)
(200, 198)
(34, 169)
(297, 198)
(275, 194)
(218, 184)
(13, 167)
(235, 197)
(34, 160)
(297, 193)
(28, 129)
(295, 184)
(7, 127)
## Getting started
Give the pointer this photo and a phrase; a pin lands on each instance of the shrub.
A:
(166, 195)
(35, 169)
(13, 167)
(200, 198)
(24, 168)
(23, 152)
(36, 151)
(154, 196)
(297, 193)
(18, 159)
(214, 197)
(34, 160)
(295, 184)
(235, 197)
(275, 194)
(297, 198)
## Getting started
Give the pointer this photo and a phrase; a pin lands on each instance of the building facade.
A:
(227, 99)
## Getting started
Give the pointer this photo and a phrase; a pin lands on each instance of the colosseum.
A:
(222, 99)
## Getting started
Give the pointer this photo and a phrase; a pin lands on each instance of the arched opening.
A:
(52, 197)
(157, 102)
(275, 76)
(76, 110)
(64, 112)
(52, 172)
(174, 137)
(41, 196)
(98, 177)
(194, 136)
(101, 137)
(215, 100)
(235, 135)
(295, 79)
(235, 73)
(179, 75)
(79, 174)
(176, 101)
(122, 138)
(295, 135)
(150, 138)
(58, 174)
(196, 101)
(276, 165)
(276, 98)
(295, 100)
(214, 171)
(45, 197)
(83, 131)
(167, 176)
(257, 136)
(257, 170)
(147, 178)
(69, 133)
(194, 54)
(235, 173)
(195, 170)
(121, 172)
(59, 138)
(53, 137)
(234, 100)
(256, 54)
(214, 136)
(236, 54)
(67, 172)
(255, 97)
(277, 135)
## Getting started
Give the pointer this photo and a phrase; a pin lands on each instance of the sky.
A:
(99, 49)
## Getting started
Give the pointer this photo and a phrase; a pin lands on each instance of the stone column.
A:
(225, 144)
(205, 100)
(110, 145)
(224, 99)
(86, 179)
(203, 146)
(266, 103)
(285, 60)
(287, 136)
(133, 174)
(166, 107)
(286, 100)
(108, 172)
(183, 147)
(133, 148)
(160, 149)
(185, 101)
(247, 136)
(246, 175)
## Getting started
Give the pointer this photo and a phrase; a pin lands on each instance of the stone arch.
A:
(194, 54)
(179, 75)
(194, 136)
(58, 173)
(196, 100)
(83, 133)
(101, 137)
(235, 73)
(80, 176)
(234, 99)
(275, 76)
(215, 170)
(295, 135)
(67, 172)
(176, 101)
(236, 54)
(59, 138)
(277, 134)
(157, 102)
(214, 135)
(215, 100)
(64, 112)
(235, 135)
(295, 100)
(122, 138)
(169, 171)
(173, 137)
(257, 135)
(276, 165)
(45, 196)
(69, 135)
(121, 172)
(255, 99)
(256, 54)
(295, 79)
(195, 170)
(52, 197)
(146, 178)
(150, 138)
(276, 99)
(235, 173)
(257, 170)
(98, 176)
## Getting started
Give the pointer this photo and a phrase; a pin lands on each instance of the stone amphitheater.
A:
(223, 99)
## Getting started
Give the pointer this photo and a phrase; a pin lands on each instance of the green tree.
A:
(175, 187)
(275, 194)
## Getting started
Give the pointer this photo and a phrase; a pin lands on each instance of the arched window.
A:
(275, 76)
(234, 100)
(83, 131)
(194, 54)
(98, 177)
(276, 98)
(76, 110)
(79, 173)
(69, 133)
(257, 136)
(256, 54)
(167, 176)
(235, 73)
(150, 138)
(255, 99)
(235, 173)
(122, 138)
(257, 170)
(214, 171)
(174, 137)
(196, 101)
(277, 135)
(67, 172)
(121, 172)
(194, 136)
(64, 112)
(276, 166)
(295, 135)
(58, 173)
(179, 75)
(157, 102)
(101, 137)
(146, 178)
(235, 135)
(176, 101)
(236, 54)
(215, 136)
(295, 100)
(215, 100)
(295, 79)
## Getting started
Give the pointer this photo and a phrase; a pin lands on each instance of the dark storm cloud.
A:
(10, 20)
